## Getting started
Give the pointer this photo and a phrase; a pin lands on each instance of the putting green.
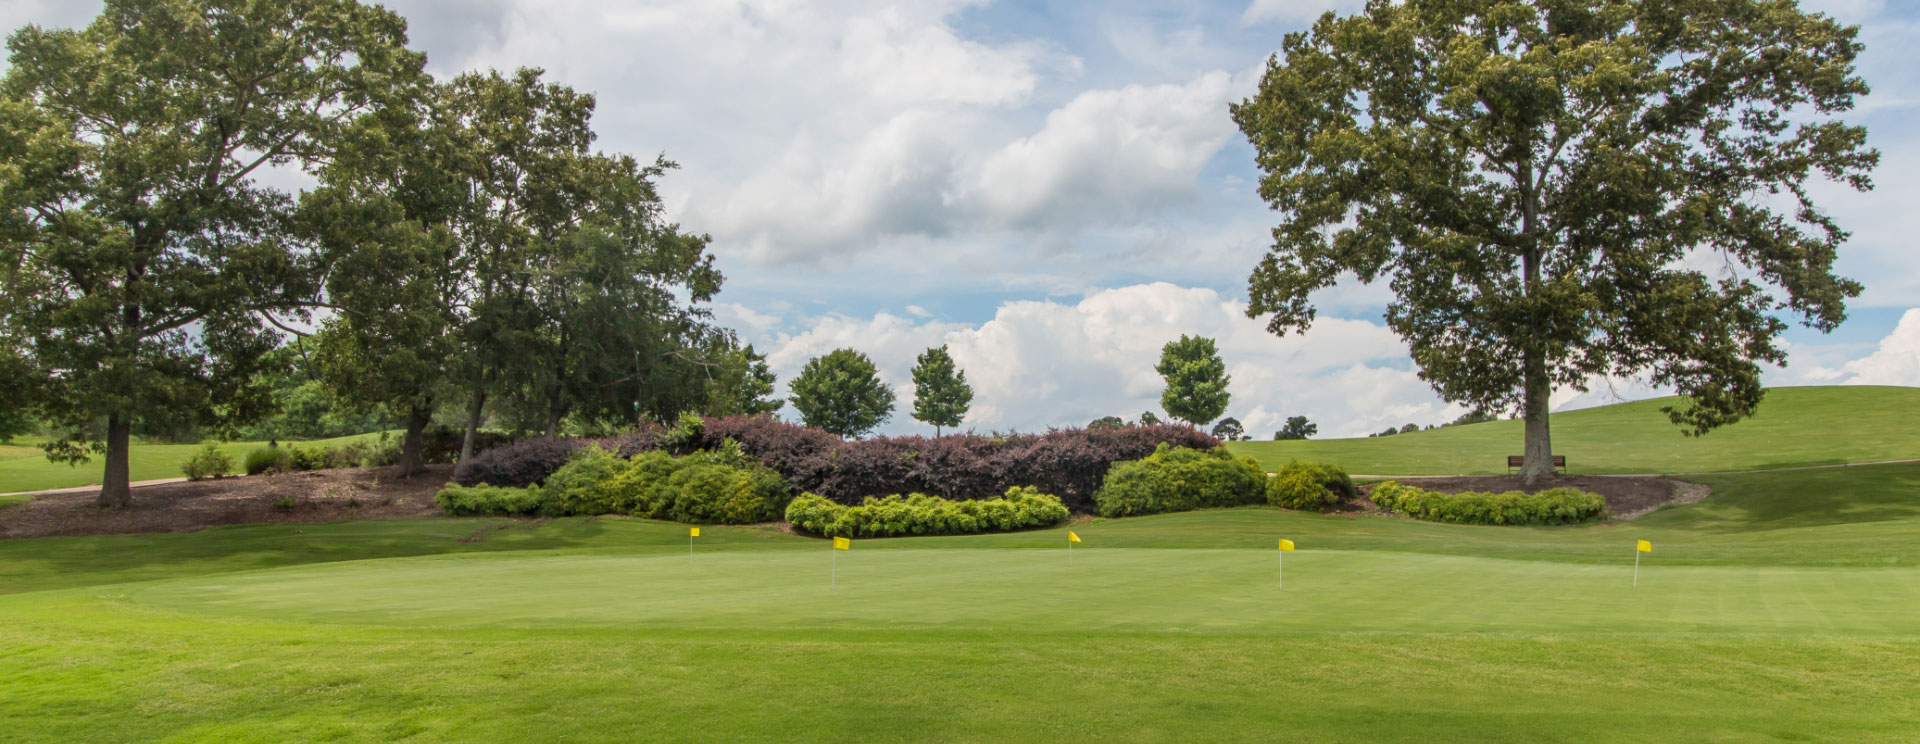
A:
(1035, 590)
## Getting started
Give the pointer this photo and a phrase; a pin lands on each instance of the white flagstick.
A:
(1283, 568)
(689, 547)
(1636, 567)
(833, 579)
(1069, 554)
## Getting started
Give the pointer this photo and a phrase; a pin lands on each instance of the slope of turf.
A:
(27, 468)
(1787, 606)
(1794, 426)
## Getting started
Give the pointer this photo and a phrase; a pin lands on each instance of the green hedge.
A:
(1552, 506)
(1309, 486)
(920, 514)
(489, 501)
(719, 487)
(1181, 479)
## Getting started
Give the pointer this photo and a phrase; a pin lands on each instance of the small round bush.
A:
(1176, 479)
(209, 462)
(585, 485)
(1308, 486)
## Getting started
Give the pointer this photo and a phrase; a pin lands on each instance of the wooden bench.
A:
(1516, 461)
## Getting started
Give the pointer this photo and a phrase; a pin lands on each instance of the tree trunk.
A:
(1539, 450)
(474, 411)
(410, 446)
(116, 490)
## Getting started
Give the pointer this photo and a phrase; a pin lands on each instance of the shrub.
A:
(520, 464)
(209, 462)
(267, 460)
(1309, 486)
(684, 437)
(1552, 506)
(489, 501)
(585, 484)
(1070, 463)
(1181, 479)
(921, 514)
(305, 459)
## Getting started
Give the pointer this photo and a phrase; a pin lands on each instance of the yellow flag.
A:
(841, 543)
(1646, 547)
(694, 533)
(1286, 544)
(1072, 537)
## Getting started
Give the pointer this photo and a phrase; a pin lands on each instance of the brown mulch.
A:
(316, 496)
(1628, 497)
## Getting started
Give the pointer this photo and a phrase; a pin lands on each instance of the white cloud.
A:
(1040, 363)
(1294, 11)
(1895, 362)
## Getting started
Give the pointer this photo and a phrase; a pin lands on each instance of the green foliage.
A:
(941, 393)
(1552, 506)
(1148, 418)
(1174, 479)
(1229, 430)
(717, 487)
(1539, 172)
(920, 514)
(1107, 422)
(1297, 428)
(841, 392)
(741, 383)
(140, 245)
(684, 436)
(1309, 486)
(489, 501)
(267, 460)
(209, 462)
(1196, 380)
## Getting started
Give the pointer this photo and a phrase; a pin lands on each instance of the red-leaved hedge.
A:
(1069, 463)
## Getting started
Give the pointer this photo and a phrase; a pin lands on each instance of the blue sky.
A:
(1052, 189)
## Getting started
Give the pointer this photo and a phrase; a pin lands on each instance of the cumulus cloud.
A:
(1295, 11)
(1037, 364)
(1895, 362)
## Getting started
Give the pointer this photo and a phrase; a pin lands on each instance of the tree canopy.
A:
(1196, 380)
(1297, 427)
(1538, 179)
(140, 248)
(841, 392)
(941, 394)
(1229, 430)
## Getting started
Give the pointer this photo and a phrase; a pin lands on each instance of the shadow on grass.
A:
(1811, 498)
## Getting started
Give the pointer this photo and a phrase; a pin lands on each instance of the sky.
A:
(1052, 190)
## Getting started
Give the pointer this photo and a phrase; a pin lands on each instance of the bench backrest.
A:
(1514, 461)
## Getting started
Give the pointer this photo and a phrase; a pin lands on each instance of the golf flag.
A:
(694, 533)
(1640, 546)
(1646, 547)
(1072, 537)
(841, 543)
(1286, 544)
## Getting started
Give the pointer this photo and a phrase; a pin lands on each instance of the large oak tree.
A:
(139, 246)
(1539, 180)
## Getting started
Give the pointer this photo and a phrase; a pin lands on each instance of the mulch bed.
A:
(316, 496)
(1627, 497)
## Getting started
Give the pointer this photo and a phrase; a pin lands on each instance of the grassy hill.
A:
(1794, 426)
(1783, 607)
(24, 468)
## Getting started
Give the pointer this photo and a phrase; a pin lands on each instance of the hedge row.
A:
(704, 488)
(1071, 463)
(920, 514)
(1552, 506)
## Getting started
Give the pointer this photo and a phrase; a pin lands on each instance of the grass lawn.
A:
(1794, 426)
(26, 468)
(1787, 606)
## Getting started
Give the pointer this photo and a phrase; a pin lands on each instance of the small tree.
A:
(1147, 418)
(1229, 430)
(841, 392)
(941, 394)
(1107, 422)
(740, 383)
(1196, 380)
(1297, 428)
